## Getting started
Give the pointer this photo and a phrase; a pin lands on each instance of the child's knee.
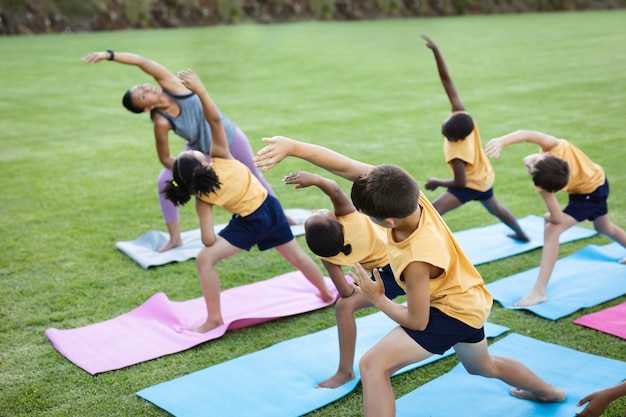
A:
(346, 305)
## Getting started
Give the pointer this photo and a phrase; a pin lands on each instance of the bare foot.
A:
(208, 326)
(531, 299)
(521, 238)
(171, 244)
(336, 380)
(555, 395)
(623, 261)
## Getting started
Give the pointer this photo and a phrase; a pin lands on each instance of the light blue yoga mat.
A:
(458, 393)
(277, 381)
(586, 278)
(490, 243)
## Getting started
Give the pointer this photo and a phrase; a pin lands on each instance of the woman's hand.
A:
(190, 80)
(95, 57)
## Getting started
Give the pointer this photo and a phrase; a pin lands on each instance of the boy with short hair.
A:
(561, 166)
(473, 174)
(447, 302)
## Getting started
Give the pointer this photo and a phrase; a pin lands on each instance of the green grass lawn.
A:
(78, 171)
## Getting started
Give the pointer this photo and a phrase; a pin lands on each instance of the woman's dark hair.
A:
(551, 173)
(458, 127)
(191, 177)
(385, 191)
(325, 238)
(127, 101)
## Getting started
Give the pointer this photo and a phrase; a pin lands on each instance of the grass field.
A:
(78, 171)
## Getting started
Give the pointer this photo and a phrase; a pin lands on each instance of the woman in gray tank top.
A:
(173, 107)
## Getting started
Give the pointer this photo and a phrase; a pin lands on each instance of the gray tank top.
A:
(191, 124)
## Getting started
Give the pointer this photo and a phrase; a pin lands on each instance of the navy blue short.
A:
(443, 332)
(468, 194)
(589, 206)
(392, 289)
(267, 227)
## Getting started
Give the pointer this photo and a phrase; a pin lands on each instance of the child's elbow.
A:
(209, 240)
(418, 325)
(215, 120)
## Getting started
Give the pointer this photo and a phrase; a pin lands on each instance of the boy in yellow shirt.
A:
(447, 302)
(561, 166)
(473, 175)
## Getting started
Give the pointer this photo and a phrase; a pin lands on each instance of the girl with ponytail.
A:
(258, 218)
(340, 238)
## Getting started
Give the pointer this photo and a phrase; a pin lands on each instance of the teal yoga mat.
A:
(277, 381)
(586, 278)
(459, 393)
(490, 243)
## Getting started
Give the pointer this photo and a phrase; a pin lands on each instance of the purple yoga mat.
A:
(160, 326)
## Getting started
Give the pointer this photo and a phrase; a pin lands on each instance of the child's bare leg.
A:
(346, 329)
(176, 240)
(210, 281)
(604, 226)
(549, 256)
(396, 350)
(446, 202)
(506, 217)
(477, 361)
(296, 256)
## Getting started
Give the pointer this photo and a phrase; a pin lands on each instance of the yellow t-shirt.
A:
(584, 174)
(459, 291)
(479, 174)
(240, 193)
(368, 241)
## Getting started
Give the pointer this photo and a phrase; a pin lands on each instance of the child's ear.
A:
(391, 221)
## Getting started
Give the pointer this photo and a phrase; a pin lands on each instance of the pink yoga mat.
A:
(160, 326)
(611, 320)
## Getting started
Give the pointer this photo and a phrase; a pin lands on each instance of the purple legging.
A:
(240, 149)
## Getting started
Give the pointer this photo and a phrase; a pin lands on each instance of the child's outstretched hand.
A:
(493, 148)
(363, 284)
(277, 149)
(300, 179)
(190, 80)
(429, 42)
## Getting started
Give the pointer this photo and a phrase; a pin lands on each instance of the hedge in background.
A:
(52, 16)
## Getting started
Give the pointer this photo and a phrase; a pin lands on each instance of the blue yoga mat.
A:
(459, 393)
(586, 278)
(490, 243)
(277, 381)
